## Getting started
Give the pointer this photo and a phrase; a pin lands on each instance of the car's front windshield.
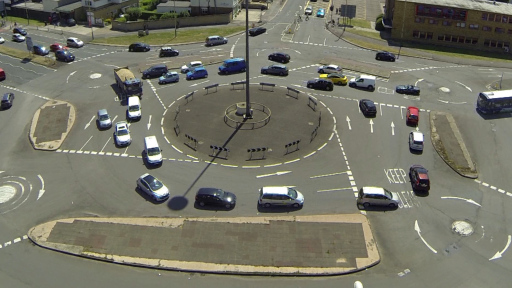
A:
(292, 193)
(122, 132)
(153, 151)
(155, 184)
(134, 108)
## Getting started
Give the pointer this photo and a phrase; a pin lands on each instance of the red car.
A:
(419, 178)
(413, 116)
(56, 46)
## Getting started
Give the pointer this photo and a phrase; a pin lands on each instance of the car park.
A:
(19, 30)
(367, 107)
(169, 77)
(363, 81)
(40, 50)
(64, 55)
(416, 141)
(336, 78)
(233, 65)
(139, 47)
(320, 13)
(155, 71)
(377, 196)
(18, 37)
(122, 135)
(152, 151)
(168, 52)
(280, 196)
(408, 89)
(2, 40)
(322, 84)
(103, 119)
(385, 56)
(257, 31)
(331, 68)
(191, 65)
(153, 187)
(196, 73)
(57, 46)
(215, 197)
(419, 178)
(7, 100)
(74, 42)
(215, 40)
(276, 69)
(308, 10)
(279, 57)
(134, 111)
(412, 116)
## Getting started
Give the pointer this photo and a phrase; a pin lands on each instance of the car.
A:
(74, 42)
(363, 81)
(153, 187)
(413, 116)
(57, 46)
(215, 40)
(193, 64)
(216, 197)
(336, 78)
(279, 57)
(416, 141)
(419, 178)
(331, 68)
(257, 31)
(7, 100)
(408, 89)
(320, 13)
(367, 107)
(70, 22)
(168, 52)
(64, 55)
(2, 40)
(40, 50)
(280, 196)
(155, 71)
(169, 77)
(122, 134)
(18, 37)
(308, 10)
(198, 72)
(152, 151)
(19, 30)
(378, 196)
(276, 69)
(139, 47)
(385, 56)
(324, 84)
(103, 119)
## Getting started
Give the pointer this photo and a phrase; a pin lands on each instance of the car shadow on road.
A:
(277, 209)
(378, 208)
(212, 207)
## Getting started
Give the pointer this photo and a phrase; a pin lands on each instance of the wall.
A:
(218, 19)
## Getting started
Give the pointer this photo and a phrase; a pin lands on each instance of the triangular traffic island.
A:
(51, 124)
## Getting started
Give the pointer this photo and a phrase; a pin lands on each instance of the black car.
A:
(70, 22)
(19, 30)
(367, 107)
(64, 55)
(7, 100)
(155, 71)
(277, 69)
(257, 31)
(215, 196)
(40, 50)
(139, 47)
(408, 89)
(168, 52)
(385, 56)
(279, 57)
(318, 83)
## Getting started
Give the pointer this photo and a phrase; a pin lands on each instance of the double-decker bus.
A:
(494, 102)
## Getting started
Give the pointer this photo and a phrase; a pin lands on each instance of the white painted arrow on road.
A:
(279, 173)
(348, 122)
(70, 74)
(500, 253)
(89, 124)
(417, 228)
(419, 80)
(464, 199)
(371, 125)
(392, 128)
(41, 192)
(149, 123)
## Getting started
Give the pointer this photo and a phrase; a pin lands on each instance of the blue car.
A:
(64, 55)
(320, 13)
(199, 72)
(40, 50)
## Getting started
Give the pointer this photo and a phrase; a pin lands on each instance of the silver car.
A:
(377, 196)
(153, 187)
(191, 66)
(122, 134)
(104, 121)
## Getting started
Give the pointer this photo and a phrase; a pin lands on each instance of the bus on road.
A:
(499, 101)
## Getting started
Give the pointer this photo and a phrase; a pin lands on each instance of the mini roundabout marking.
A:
(14, 191)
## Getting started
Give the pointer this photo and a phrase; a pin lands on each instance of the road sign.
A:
(28, 40)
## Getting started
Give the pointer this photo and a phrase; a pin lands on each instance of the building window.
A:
(422, 35)
(433, 21)
(486, 42)
(440, 37)
(471, 40)
(461, 24)
(429, 35)
(461, 39)
(447, 23)
(504, 19)
(204, 10)
(486, 28)
(420, 20)
(415, 34)
(474, 40)
(491, 17)
(441, 12)
(499, 30)
(473, 26)
(497, 18)
(509, 31)
(493, 44)
(484, 16)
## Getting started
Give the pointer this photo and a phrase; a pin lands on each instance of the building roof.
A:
(69, 7)
(478, 5)
(179, 4)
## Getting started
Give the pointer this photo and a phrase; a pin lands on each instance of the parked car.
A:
(257, 31)
(155, 71)
(193, 64)
(413, 116)
(2, 40)
(153, 187)
(169, 77)
(168, 52)
(419, 178)
(323, 84)
(279, 57)
(367, 107)
(280, 196)
(408, 89)
(18, 37)
(40, 50)
(139, 47)
(103, 119)
(385, 56)
(308, 10)
(216, 197)
(122, 134)
(57, 46)
(276, 69)
(331, 68)
(74, 42)
(7, 100)
(70, 22)
(416, 140)
(199, 72)
(370, 196)
(320, 13)
(64, 55)
(336, 78)
(19, 30)
(215, 40)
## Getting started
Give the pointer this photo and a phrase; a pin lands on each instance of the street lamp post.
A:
(402, 34)
(248, 112)
(26, 11)
(175, 21)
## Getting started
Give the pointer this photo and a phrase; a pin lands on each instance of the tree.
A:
(184, 14)
(153, 17)
(169, 15)
(133, 13)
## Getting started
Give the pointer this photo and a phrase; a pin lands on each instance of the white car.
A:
(122, 134)
(2, 40)
(18, 37)
(153, 187)
(193, 64)
(328, 69)
(309, 10)
(74, 42)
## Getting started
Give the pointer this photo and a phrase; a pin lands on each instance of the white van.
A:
(363, 81)
(134, 109)
(152, 151)
(416, 140)
(280, 195)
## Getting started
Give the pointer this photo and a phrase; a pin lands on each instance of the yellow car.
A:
(336, 78)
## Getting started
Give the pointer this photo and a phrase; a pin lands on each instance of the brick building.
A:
(471, 24)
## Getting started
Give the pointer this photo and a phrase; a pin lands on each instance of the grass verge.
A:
(25, 56)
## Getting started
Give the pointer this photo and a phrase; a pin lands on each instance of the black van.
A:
(155, 71)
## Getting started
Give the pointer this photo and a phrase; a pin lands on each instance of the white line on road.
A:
(101, 151)
(417, 228)
(88, 124)
(85, 143)
(70, 74)
(41, 192)
(464, 199)
(327, 175)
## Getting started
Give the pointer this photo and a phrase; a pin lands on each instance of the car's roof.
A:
(103, 111)
(167, 48)
(413, 109)
(196, 62)
(373, 190)
(278, 65)
(148, 177)
(207, 191)
(275, 190)
(73, 38)
(417, 135)
(122, 124)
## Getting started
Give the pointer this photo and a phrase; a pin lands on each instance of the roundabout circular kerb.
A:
(211, 125)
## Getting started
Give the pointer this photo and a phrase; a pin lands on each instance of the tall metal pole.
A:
(26, 11)
(402, 34)
(175, 19)
(248, 113)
